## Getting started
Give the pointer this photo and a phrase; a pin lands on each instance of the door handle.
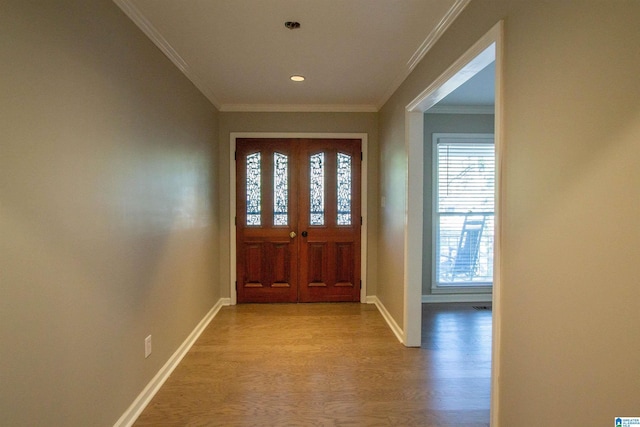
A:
(304, 234)
(292, 234)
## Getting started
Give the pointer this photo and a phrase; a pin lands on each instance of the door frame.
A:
(465, 67)
(232, 198)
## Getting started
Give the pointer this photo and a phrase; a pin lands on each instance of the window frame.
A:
(452, 138)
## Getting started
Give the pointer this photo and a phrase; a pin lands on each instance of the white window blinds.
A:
(464, 200)
(466, 177)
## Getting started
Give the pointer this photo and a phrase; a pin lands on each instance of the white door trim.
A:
(485, 50)
(232, 198)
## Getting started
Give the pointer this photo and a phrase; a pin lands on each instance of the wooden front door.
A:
(298, 220)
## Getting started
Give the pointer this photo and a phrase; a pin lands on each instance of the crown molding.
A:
(426, 45)
(437, 32)
(298, 108)
(143, 23)
(461, 109)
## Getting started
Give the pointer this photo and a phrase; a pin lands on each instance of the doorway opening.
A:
(484, 52)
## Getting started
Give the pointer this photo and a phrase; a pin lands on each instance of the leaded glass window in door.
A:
(254, 187)
(280, 189)
(316, 201)
(344, 189)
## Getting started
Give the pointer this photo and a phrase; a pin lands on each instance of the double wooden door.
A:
(298, 220)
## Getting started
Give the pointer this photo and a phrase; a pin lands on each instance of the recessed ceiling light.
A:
(297, 78)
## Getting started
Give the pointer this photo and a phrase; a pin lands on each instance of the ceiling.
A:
(353, 53)
(478, 91)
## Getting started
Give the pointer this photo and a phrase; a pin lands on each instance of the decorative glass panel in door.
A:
(280, 189)
(344, 189)
(316, 189)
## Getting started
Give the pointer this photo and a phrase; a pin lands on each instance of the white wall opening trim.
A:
(484, 51)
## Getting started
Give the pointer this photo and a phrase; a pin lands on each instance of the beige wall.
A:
(391, 223)
(569, 319)
(299, 123)
(108, 227)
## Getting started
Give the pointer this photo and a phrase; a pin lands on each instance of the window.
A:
(463, 210)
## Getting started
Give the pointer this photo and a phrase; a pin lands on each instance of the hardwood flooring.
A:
(330, 365)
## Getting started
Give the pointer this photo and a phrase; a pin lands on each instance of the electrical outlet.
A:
(147, 346)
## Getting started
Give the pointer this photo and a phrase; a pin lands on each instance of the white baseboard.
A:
(435, 298)
(397, 330)
(133, 412)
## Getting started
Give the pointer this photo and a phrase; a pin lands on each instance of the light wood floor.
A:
(330, 365)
